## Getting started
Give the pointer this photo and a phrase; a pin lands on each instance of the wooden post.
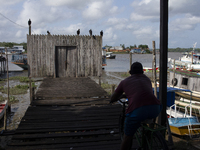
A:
(130, 60)
(154, 68)
(5, 120)
(30, 89)
(33, 93)
(163, 59)
(174, 73)
(29, 24)
(7, 80)
(113, 89)
(100, 80)
(192, 56)
(30, 86)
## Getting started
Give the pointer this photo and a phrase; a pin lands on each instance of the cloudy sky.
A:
(126, 22)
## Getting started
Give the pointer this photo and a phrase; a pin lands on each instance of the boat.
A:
(181, 122)
(103, 57)
(185, 79)
(189, 61)
(20, 60)
(3, 107)
(109, 55)
(148, 69)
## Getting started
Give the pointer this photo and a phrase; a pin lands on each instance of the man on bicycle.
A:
(142, 104)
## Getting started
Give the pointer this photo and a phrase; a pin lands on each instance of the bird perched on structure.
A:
(90, 31)
(78, 31)
(101, 33)
(29, 22)
(48, 33)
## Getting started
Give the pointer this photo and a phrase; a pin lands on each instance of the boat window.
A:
(184, 81)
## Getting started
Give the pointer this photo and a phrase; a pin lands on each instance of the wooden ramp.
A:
(69, 88)
(71, 113)
(68, 127)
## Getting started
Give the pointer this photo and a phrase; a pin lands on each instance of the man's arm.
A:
(115, 97)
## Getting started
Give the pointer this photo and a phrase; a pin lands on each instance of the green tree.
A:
(10, 45)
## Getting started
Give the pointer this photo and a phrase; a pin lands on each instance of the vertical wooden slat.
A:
(84, 58)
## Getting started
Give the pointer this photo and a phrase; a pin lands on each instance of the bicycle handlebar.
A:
(124, 101)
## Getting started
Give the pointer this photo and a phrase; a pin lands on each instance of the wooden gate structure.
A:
(64, 55)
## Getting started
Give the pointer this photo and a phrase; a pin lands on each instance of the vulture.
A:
(90, 31)
(29, 22)
(48, 32)
(78, 31)
(101, 33)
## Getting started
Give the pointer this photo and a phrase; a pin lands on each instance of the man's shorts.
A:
(133, 119)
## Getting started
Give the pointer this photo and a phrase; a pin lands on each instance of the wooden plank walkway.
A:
(63, 119)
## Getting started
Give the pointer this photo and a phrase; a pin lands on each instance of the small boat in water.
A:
(180, 114)
(3, 107)
(20, 60)
(109, 55)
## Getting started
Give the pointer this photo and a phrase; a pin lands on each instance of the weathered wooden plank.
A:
(107, 145)
(70, 134)
(67, 102)
(50, 141)
(61, 129)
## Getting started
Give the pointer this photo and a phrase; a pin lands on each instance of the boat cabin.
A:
(185, 79)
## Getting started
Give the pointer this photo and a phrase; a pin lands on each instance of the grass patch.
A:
(2, 98)
(21, 79)
(107, 87)
(125, 75)
(18, 89)
(13, 99)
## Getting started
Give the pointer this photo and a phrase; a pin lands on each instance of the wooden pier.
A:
(69, 113)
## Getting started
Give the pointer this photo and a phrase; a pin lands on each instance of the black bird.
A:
(48, 32)
(101, 33)
(78, 31)
(29, 22)
(90, 31)
(94, 37)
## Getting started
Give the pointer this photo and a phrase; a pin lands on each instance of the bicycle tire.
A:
(138, 137)
(121, 126)
(157, 142)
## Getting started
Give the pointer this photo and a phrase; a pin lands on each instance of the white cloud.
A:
(187, 23)
(145, 10)
(40, 14)
(138, 17)
(99, 9)
(73, 4)
(143, 31)
(109, 35)
(9, 2)
(118, 23)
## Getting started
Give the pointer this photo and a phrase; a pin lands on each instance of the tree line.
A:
(11, 44)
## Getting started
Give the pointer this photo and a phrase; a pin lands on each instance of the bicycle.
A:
(148, 136)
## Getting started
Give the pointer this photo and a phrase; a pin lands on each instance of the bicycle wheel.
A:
(141, 140)
(121, 126)
(157, 142)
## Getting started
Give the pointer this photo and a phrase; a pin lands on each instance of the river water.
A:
(122, 61)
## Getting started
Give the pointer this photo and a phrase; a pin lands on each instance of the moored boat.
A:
(181, 122)
(3, 107)
(20, 60)
(109, 55)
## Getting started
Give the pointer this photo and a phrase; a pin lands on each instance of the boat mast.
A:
(193, 50)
